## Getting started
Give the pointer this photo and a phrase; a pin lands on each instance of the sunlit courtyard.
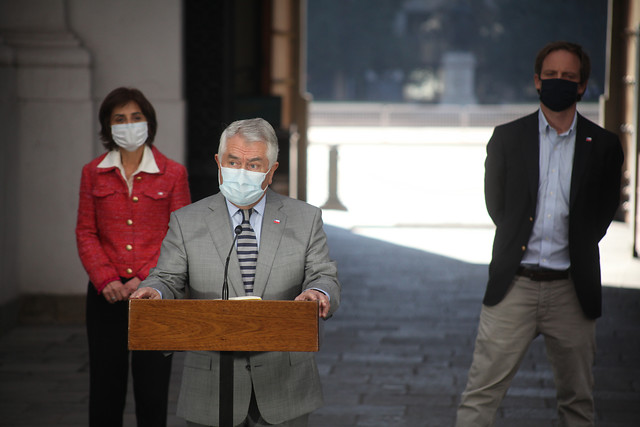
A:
(422, 187)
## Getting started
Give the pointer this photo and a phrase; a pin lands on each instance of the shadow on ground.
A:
(395, 354)
(398, 350)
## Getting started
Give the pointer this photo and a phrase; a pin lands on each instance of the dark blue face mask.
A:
(558, 94)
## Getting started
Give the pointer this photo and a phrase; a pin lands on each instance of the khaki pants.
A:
(505, 332)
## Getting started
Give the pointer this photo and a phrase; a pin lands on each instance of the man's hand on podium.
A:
(323, 301)
(309, 295)
(146, 293)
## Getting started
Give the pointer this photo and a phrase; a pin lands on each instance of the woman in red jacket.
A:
(126, 196)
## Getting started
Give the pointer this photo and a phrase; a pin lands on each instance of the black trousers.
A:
(107, 329)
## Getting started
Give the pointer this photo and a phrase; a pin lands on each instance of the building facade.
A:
(60, 58)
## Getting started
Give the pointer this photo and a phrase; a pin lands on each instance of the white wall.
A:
(58, 59)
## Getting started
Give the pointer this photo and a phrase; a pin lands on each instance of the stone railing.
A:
(378, 114)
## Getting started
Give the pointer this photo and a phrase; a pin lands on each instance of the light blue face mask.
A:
(242, 187)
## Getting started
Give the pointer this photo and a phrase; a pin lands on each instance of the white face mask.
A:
(130, 136)
(240, 186)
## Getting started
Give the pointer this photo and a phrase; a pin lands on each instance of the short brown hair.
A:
(576, 49)
(117, 98)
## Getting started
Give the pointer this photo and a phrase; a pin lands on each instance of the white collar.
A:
(147, 164)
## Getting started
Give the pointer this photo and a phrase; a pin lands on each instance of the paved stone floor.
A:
(396, 353)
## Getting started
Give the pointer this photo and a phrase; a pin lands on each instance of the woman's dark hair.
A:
(118, 98)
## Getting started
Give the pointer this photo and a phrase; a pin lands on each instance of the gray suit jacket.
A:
(293, 257)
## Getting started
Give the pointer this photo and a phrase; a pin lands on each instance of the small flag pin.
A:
(588, 139)
(276, 221)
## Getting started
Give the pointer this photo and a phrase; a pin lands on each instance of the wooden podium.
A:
(225, 326)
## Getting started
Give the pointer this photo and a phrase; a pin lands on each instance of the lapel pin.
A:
(588, 139)
(276, 221)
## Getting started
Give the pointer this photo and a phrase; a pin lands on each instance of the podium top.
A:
(223, 325)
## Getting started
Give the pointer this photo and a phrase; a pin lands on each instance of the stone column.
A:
(48, 142)
(9, 290)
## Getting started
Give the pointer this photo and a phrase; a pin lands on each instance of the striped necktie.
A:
(247, 252)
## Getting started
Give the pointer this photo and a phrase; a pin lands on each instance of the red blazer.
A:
(120, 235)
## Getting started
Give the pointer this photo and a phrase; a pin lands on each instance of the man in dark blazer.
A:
(552, 187)
(292, 263)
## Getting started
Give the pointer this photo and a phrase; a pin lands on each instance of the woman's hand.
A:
(131, 286)
(117, 291)
(114, 292)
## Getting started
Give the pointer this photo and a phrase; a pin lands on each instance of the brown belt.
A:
(542, 274)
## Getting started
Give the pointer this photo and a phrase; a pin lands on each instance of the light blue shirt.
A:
(256, 223)
(255, 219)
(549, 242)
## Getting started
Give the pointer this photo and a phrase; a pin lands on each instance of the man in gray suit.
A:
(270, 388)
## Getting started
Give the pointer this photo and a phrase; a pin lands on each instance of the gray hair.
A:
(252, 130)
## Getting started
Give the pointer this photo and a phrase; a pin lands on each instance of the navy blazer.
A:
(511, 194)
